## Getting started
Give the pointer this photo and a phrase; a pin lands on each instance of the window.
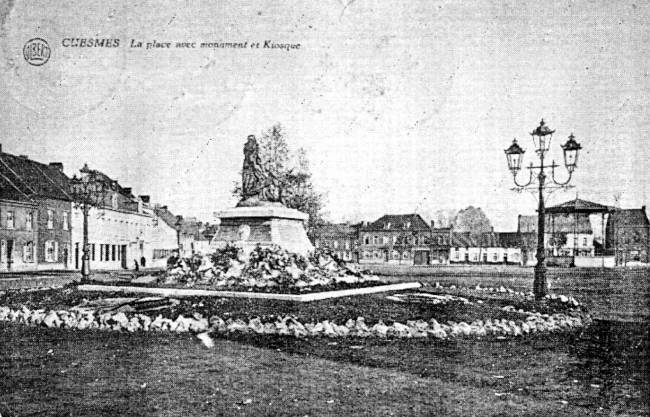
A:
(494, 257)
(108, 252)
(406, 255)
(385, 240)
(65, 220)
(584, 241)
(375, 240)
(29, 221)
(387, 225)
(336, 244)
(10, 220)
(101, 251)
(113, 252)
(456, 254)
(28, 252)
(347, 244)
(50, 219)
(475, 258)
(51, 251)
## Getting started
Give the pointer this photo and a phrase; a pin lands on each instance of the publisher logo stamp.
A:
(36, 52)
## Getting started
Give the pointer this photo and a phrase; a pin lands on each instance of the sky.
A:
(401, 106)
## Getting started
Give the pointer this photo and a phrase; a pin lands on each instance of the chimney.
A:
(145, 198)
(23, 156)
(0, 147)
(163, 207)
(643, 208)
(57, 165)
(127, 190)
(432, 224)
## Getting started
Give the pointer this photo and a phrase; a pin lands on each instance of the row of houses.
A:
(577, 233)
(42, 229)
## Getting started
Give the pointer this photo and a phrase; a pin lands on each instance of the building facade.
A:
(34, 215)
(441, 244)
(628, 235)
(340, 239)
(18, 236)
(395, 239)
(485, 248)
(124, 232)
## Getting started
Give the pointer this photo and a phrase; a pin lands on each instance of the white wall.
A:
(139, 233)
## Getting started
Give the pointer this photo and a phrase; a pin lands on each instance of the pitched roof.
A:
(166, 216)
(334, 230)
(628, 218)
(22, 179)
(394, 222)
(578, 206)
(486, 240)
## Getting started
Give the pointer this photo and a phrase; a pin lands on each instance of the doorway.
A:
(123, 256)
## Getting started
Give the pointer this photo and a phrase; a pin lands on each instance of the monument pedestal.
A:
(264, 225)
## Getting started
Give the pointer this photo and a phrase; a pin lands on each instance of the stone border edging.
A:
(81, 319)
(301, 298)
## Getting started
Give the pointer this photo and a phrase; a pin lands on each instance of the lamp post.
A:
(87, 191)
(179, 224)
(542, 136)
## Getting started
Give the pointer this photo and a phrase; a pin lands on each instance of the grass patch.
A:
(106, 373)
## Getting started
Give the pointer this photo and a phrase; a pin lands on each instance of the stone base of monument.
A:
(267, 225)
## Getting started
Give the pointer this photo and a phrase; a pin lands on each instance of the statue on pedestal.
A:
(259, 186)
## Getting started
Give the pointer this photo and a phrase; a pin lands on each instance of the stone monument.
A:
(261, 218)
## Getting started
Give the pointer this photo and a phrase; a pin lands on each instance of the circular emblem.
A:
(36, 52)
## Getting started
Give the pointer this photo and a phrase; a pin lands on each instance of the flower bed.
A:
(265, 269)
(401, 315)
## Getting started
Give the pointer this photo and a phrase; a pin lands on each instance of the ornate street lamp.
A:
(87, 191)
(542, 136)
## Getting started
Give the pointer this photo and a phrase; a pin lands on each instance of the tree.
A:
(443, 218)
(293, 173)
(472, 220)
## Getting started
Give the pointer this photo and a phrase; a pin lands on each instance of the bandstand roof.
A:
(579, 206)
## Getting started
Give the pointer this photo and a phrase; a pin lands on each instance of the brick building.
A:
(34, 215)
(341, 239)
(395, 239)
(628, 235)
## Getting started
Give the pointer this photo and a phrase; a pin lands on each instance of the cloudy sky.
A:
(401, 106)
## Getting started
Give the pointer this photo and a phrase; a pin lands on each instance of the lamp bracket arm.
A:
(530, 180)
(560, 183)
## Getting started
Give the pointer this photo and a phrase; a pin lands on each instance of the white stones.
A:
(52, 320)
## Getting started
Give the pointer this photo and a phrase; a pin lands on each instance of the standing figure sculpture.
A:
(258, 185)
